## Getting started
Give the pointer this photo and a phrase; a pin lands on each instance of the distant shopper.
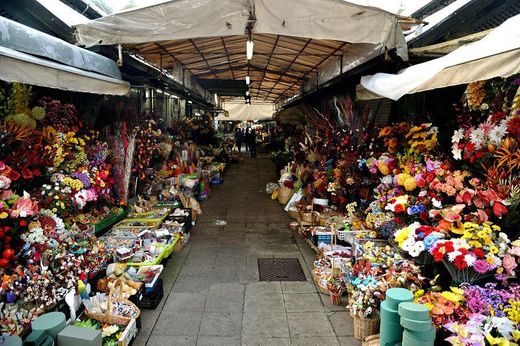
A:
(252, 143)
(248, 138)
(239, 138)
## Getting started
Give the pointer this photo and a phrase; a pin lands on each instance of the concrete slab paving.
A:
(212, 292)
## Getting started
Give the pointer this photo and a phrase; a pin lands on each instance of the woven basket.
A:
(323, 289)
(309, 216)
(364, 327)
(284, 195)
(372, 340)
(293, 213)
(107, 317)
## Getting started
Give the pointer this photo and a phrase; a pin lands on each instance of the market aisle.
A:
(212, 292)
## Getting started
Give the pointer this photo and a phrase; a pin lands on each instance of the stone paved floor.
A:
(212, 295)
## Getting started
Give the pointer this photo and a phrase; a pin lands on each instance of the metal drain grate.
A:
(280, 269)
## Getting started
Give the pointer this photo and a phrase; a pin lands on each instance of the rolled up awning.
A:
(25, 68)
(33, 57)
(495, 55)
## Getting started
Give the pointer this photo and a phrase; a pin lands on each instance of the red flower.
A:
(36, 172)
(449, 246)
(13, 175)
(423, 216)
(460, 262)
(499, 209)
(26, 173)
(399, 208)
(479, 253)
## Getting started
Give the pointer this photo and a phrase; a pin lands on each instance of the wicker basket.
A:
(364, 327)
(284, 195)
(107, 317)
(309, 216)
(293, 213)
(372, 340)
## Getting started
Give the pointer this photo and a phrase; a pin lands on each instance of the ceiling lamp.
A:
(248, 80)
(249, 49)
(247, 93)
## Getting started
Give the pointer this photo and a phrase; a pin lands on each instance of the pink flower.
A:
(5, 182)
(481, 266)
(509, 264)
(2, 166)
(24, 207)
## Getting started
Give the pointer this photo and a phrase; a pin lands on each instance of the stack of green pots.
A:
(417, 324)
(391, 331)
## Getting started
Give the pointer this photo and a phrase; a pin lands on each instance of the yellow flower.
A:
(495, 227)
(418, 293)
(3, 215)
(410, 184)
(475, 244)
(452, 296)
(457, 290)
(490, 260)
(493, 249)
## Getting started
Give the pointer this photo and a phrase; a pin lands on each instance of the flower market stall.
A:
(404, 206)
(73, 244)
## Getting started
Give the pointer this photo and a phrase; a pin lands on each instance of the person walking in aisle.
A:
(252, 143)
(239, 138)
(248, 138)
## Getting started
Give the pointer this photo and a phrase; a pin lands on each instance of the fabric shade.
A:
(183, 19)
(246, 112)
(495, 55)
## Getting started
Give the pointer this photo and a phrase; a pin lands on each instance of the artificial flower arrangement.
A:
(475, 315)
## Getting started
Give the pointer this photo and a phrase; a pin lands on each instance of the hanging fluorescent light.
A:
(216, 99)
(190, 102)
(247, 93)
(248, 80)
(249, 49)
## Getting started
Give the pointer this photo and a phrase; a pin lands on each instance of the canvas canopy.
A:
(183, 19)
(495, 55)
(246, 112)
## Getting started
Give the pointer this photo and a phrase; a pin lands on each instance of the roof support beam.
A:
(292, 62)
(315, 67)
(203, 57)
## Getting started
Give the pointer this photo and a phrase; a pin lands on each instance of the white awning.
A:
(183, 19)
(495, 55)
(246, 112)
(25, 68)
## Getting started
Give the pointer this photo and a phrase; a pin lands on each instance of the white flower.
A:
(408, 244)
(437, 204)
(433, 130)
(457, 136)
(477, 137)
(423, 193)
(452, 255)
(469, 259)
(497, 133)
(457, 153)
(416, 250)
(387, 179)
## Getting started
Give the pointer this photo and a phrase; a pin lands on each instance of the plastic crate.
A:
(169, 249)
(135, 223)
(109, 221)
(153, 299)
(325, 238)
